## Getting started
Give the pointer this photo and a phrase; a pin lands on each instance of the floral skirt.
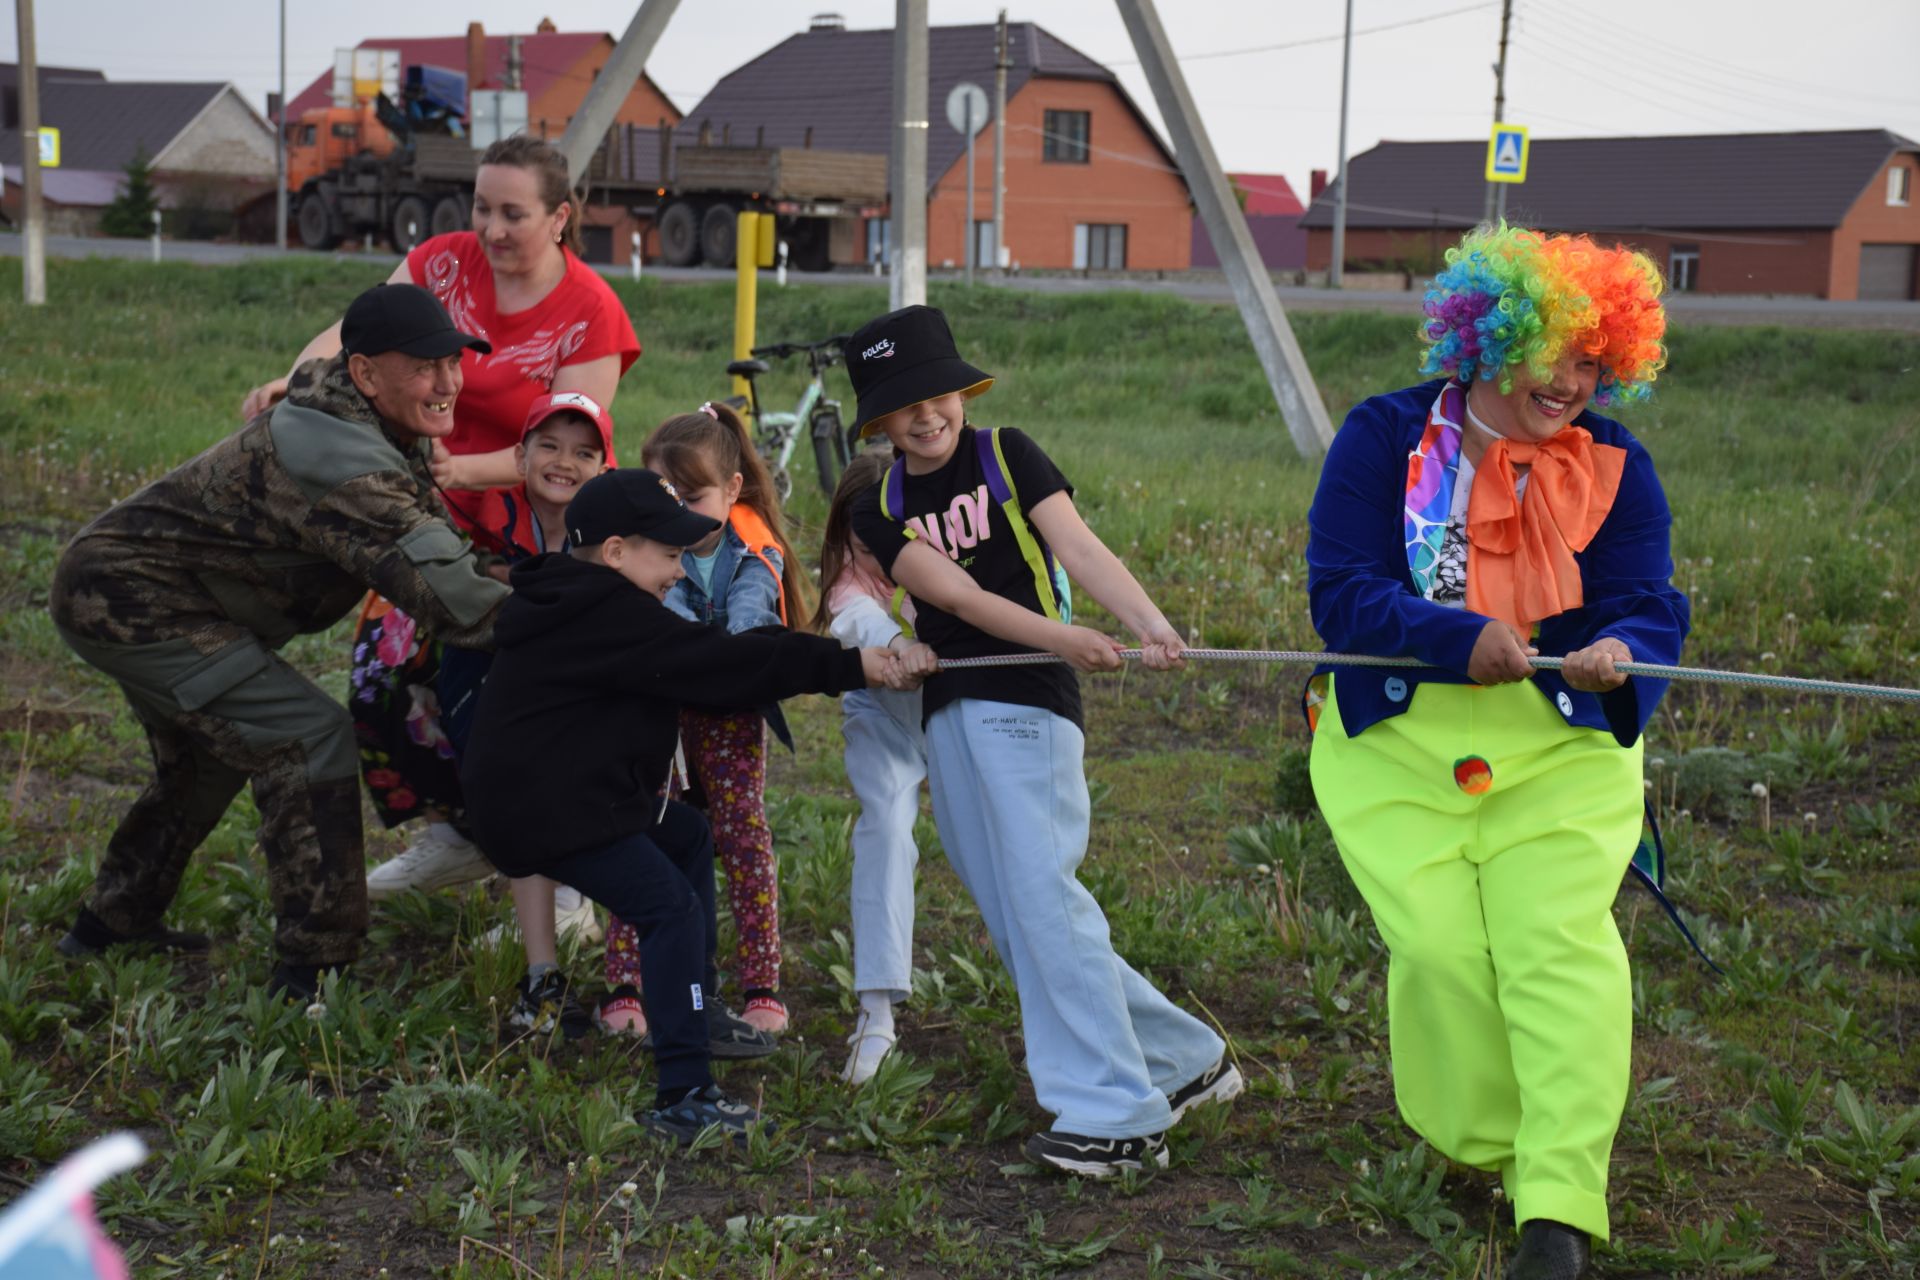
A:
(405, 756)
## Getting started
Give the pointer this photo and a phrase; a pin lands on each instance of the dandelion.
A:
(316, 1011)
(1810, 818)
(628, 1190)
(1769, 656)
(1658, 762)
(1706, 562)
(1759, 790)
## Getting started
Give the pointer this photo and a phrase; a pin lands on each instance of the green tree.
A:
(131, 212)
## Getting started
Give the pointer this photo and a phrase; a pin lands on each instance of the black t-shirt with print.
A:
(952, 511)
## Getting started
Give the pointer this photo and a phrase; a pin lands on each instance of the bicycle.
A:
(776, 433)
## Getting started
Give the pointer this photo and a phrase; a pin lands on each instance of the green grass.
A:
(1772, 1129)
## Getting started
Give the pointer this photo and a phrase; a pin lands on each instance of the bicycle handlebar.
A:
(781, 350)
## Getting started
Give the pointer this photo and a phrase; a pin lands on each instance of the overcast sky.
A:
(1266, 73)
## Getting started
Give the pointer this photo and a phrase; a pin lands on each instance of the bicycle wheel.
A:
(829, 447)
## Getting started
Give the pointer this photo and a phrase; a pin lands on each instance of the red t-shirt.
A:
(579, 321)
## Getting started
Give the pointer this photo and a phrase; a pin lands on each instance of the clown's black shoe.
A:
(1550, 1251)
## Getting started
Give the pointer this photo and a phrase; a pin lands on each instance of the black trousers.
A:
(661, 883)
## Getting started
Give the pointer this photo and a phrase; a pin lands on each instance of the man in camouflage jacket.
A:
(183, 593)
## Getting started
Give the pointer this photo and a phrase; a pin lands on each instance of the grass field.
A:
(1774, 1121)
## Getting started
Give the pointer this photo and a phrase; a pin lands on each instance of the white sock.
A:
(877, 1007)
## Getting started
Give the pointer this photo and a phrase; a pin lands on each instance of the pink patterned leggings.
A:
(727, 751)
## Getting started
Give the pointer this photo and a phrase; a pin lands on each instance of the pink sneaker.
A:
(765, 1013)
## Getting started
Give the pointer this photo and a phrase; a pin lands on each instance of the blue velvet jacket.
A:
(1363, 598)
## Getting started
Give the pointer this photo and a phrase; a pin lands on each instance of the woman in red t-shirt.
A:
(555, 325)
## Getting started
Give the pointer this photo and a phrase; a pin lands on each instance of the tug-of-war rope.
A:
(1303, 657)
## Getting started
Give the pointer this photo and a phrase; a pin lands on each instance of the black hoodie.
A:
(577, 721)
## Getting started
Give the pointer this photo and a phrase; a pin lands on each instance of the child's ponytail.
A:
(836, 543)
(706, 448)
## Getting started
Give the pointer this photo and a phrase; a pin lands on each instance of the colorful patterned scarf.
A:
(1432, 471)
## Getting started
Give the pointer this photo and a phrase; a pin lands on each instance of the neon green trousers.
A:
(1490, 837)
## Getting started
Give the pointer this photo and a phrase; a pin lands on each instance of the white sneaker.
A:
(870, 1047)
(573, 915)
(440, 857)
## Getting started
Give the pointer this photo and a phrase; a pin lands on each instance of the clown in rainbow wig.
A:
(1488, 811)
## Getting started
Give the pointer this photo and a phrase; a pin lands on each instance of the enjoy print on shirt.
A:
(966, 524)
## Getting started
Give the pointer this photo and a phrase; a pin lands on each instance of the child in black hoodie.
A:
(567, 763)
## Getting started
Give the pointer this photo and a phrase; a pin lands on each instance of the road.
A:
(1200, 286)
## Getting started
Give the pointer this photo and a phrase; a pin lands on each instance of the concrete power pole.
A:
(1273, 340)
(624, 65)
(1000, 66)
(908, 223)
(1337, 270)
(280, 143)
(1497, 191)
(33, 242)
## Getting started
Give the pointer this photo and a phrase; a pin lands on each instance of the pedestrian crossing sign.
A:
(1507, 153)
(49, 147)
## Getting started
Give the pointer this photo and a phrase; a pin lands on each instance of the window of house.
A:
(986, 247)
(1683, 267)
(1899, 185)
(1100, 246)
(1066, 137)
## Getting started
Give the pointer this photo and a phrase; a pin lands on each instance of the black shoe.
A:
(544, 1005)
(1220, 1082)
(299, 982)
(700, 1110)
(731, 1036)
(90, 936)
(1550, 1251)
(1096, 1157)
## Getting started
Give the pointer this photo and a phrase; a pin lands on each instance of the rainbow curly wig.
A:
(1511, 297)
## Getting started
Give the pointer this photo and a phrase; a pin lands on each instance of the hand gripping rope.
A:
(1303, 657)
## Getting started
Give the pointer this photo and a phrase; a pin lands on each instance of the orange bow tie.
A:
(1520, 549)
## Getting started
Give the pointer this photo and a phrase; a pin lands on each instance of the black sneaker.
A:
(1220, 1082)
(699, 1111)
(1096, 1157)
(544, 1005)
(299, 982)
(90, 936)
(1550, 1251)
(731, 1036)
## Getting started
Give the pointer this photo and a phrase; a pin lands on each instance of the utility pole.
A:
(1273, 340)
(1337, 272)
(602, 103)
(1000, 67)
(908, 221)
(33, 243)
(280, 143)
(1497, 191)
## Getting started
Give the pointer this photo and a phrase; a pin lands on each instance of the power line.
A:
(1313, 40)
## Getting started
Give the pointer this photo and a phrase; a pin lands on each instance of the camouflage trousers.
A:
(216, 722)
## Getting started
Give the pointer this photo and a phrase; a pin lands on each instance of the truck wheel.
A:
(680, 234)
(411, 223)
(719, 229)
(315, 222)
(451, 214)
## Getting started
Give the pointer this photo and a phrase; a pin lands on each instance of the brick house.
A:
(1827, 215)
(209, 151)
(556, 68)
(1090, 184)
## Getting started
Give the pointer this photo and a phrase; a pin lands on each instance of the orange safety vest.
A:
(753, 531)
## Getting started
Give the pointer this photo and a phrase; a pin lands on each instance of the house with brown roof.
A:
(1090, 184)
(1273, 215)
(211, 153)
(1833, 214)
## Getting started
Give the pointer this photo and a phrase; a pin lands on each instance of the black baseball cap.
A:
(634, 503)
(404, 318)
(903, 358)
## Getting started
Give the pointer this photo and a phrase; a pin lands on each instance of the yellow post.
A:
(746, 242)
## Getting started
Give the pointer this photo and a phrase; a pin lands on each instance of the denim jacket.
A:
(744, 596)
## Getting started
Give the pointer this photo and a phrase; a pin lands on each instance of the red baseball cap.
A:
(546, 406)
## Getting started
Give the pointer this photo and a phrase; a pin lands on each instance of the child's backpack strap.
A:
(753, 531)
(1649, 867)
(1050, 582)
(893, 495)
